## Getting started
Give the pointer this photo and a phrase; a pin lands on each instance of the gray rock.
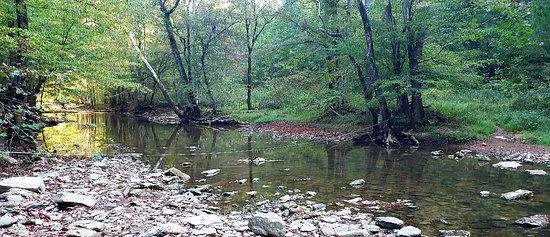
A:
(482, 157)
(537, 172)
(22, 192)
(164, 229)
(209, 220)
(357, 183)
(533, 221)
(82, 232)
(89, 224)
(307, 227)
(437, 153)
(372, 228)
(35, 184)
(389, 222)
(507, 165)
(7, 220)
(57, 226)
(454, 233)
(319, 207)
(210, 173)
(206, 231)
(71, 199)
(175, 172)
(267, 224)
(409, 231)
(518, 194)
(349, 231)
(327, 229)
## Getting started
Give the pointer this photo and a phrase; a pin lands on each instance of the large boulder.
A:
(267, 224)
(71, 199)
(389, 222)
(35, 184)
(534, 221)
(518, 194)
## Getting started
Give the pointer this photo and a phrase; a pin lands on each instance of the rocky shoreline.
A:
(122, 196)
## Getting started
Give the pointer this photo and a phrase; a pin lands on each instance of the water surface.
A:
(446, 191)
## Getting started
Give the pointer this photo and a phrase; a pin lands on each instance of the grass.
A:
(453, 115)
(475, 114)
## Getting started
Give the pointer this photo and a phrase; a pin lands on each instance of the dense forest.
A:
(285, 118)
(442, 69)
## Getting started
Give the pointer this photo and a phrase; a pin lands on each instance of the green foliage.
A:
(484, 64)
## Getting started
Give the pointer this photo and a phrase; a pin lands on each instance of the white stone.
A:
(82, 232)
(35, 184)
(89, 224)
(357, 183)
(537, 172)
(409, 231)
(7, 220)
(205, 231)
(507, 165)
(73, 198)
(210, 220)
(210, 173)
(307, 226)
(484, 193)
(284, 198)
(172, 228)
(518, 194)
(354, 201)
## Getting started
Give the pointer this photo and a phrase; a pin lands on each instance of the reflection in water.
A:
(443, 189)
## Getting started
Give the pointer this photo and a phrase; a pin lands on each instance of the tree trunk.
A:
(249, 47)
(415, 44)
(249, 80)
(192, 109)
(403, 100)
(205, 78)
(17, 58)
(181, 114)
(372, 70)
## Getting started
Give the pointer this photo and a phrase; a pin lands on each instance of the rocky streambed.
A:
(122, 196)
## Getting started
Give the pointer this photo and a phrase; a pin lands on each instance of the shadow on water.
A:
(446, 191)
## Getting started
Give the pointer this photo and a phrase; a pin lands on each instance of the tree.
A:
(192, 110)
(255, 22)
(415, 44)
(384, 116)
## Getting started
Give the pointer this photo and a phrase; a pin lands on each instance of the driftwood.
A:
(394, 139)
(220, 121)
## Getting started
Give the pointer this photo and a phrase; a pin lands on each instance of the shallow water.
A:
(446, 191)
